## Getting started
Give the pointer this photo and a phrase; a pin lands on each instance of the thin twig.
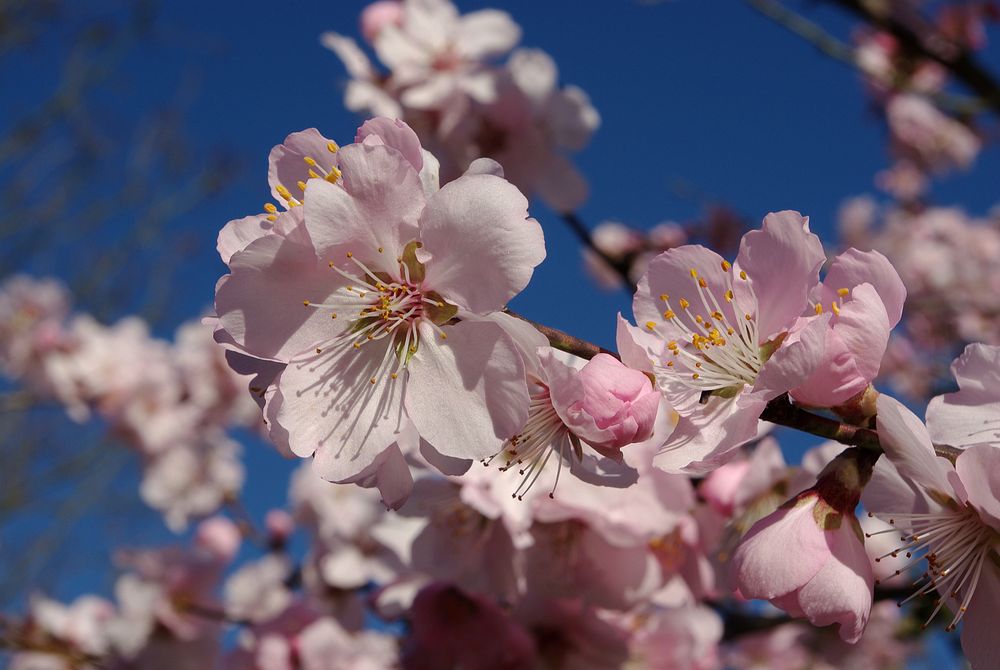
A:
(619, 265)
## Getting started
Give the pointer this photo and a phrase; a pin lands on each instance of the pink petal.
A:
(329, 406)
(486, 34)
(780, 553)
(377, 206)
(260, 305)
(287, 165)
(906, 443)
(972, 415)
(979, 469)
(786, 243)
(796, 359)
(483, 247)
(467, 394)
(854, 267)
(238, 233)
(841, 592)
(395, 134)
(979, 627)
(561, 185)
(855, 343)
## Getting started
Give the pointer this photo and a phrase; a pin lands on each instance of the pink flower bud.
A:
(378, 15)
(220, 537)
(619, 404)
(280, 525)
(808, 557)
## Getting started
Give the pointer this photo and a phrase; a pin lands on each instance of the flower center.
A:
(956, 544)
(379, 307)
(719, 348)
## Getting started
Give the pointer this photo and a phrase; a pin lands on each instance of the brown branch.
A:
(564, 341)
(933, 45)
(619, 265)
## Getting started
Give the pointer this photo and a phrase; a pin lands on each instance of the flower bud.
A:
(378, 15)
(618, 407)
(808, 557)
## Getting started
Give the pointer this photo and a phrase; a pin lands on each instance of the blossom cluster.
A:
(947, 259)
(480, 491)
(171, 403)
(444, 81)
(928, 135)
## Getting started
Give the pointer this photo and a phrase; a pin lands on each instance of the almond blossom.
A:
(808, 557)
(723, 339)
(948, 514)
(360, 304)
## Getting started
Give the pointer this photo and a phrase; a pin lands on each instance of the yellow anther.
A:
(318, 350)
(726, 267)
(305, 302)
(312, 173)
(748, 317)
(350, 254)
(684, 303)
(694, 273)
(672, 344)
(650, 325)
(283, 192)
(270, 208)
(302, 186)
(357, 345)
(819, 308)
(670, 364)
(272, 217)
(309, 160)
(333, 316)
(330, 264)
(842, 292)
(743, 275)
(698, 318)
(729, 295)
(372, 380)
(695, 375)
(669, 314)
(332, 147)
(702, 283)
(717, 315)
(394, 375)
(730, 330)
(333, 175)
(835, 307)
(444, 336)
(664, 297)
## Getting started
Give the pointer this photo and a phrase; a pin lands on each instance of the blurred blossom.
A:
(444, 81)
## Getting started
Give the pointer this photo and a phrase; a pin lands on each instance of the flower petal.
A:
(467, 394)
(377, 206)
(907, 444)
(342, 405)
(784, 242)
(483, 247)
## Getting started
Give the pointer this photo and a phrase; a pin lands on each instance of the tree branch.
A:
(934, 46)
(621, 266)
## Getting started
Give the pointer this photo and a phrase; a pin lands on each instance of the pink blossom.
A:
(378, 15)
(730, 488)
(808, 557)
(359, 303)
(948, 514)
(451, 628)
(971, 415)
(936, 141)
(685, 637)
(866, 296)
(731, 333)
(32, 315)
